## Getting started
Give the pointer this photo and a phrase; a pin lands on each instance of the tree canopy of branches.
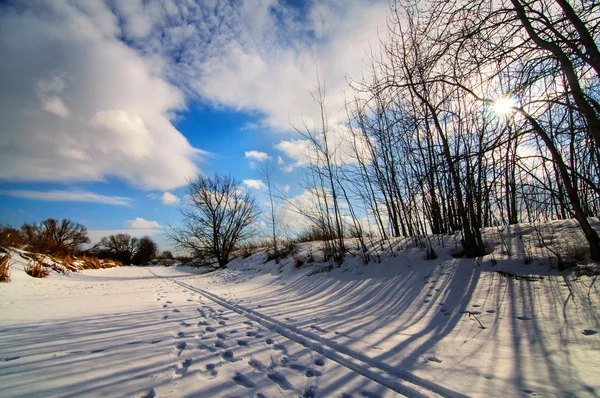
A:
(55, 237)
(217, 216)
(126, 249)
(433, 150)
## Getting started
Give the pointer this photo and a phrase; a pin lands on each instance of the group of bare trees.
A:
(126, 249)
(473, 115)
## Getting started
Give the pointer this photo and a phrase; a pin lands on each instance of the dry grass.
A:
(5, 267)
(36, 268)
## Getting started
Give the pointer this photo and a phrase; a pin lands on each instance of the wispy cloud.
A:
(67, 196)
(141, 223)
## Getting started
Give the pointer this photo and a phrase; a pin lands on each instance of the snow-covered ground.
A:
(403, 326)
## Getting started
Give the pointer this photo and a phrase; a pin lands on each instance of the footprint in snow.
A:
(318, 329)
(319, 361)
(269, 341)
(524, 318)
(369, 394)
(182, 369)
(228, 356)
(7, 359)
(221, 336)
(280, 379)
(491, 311)
(205, 347)
(476, 305)
(165, 305)
(203, 323)
(296, 366)
(280, 347)
(221, 344)
(426, 301)
(256, 364)
(589, 332)
(185, 324)
(310, 372)
(242, 343)
(433, 358)
(148, 394)
(310, 392)
(176, 310)
(251, 334)
(166, 317)
(243, 381)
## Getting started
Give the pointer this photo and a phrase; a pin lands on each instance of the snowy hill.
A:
(404, 326)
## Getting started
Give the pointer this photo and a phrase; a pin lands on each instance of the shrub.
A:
(11, 237)
(55, 237)
(36, 269)
(298, 262)
(5, 267)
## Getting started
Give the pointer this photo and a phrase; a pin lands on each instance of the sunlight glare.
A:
(504, 105)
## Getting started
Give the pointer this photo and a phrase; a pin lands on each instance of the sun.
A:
(505, 105)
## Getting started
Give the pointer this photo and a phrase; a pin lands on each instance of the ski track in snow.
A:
(393, 379)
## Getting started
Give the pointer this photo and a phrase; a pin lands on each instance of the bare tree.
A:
(267, 172)
(120, 247)
(56, 237)
(217, 215)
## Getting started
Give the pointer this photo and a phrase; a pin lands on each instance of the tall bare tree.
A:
(217, 215)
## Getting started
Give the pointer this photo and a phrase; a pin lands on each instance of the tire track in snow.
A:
(383, 374)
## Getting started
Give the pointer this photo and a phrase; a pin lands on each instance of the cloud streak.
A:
(67, 196)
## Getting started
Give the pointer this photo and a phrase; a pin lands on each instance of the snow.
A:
(405, 326)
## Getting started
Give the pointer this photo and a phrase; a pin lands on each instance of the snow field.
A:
(406, 326)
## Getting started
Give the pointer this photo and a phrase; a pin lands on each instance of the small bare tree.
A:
(217, 215)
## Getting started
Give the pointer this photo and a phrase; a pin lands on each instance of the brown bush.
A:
(5, 267)
(11, 237)
(37, 269)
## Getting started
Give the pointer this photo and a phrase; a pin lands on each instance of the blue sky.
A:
(107, 108)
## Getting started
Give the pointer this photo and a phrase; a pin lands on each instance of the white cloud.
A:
(140, 223)
(256, 184)
(258, 156)
(67, 196)
(99, 83)
(78, 104)
(169, 199)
